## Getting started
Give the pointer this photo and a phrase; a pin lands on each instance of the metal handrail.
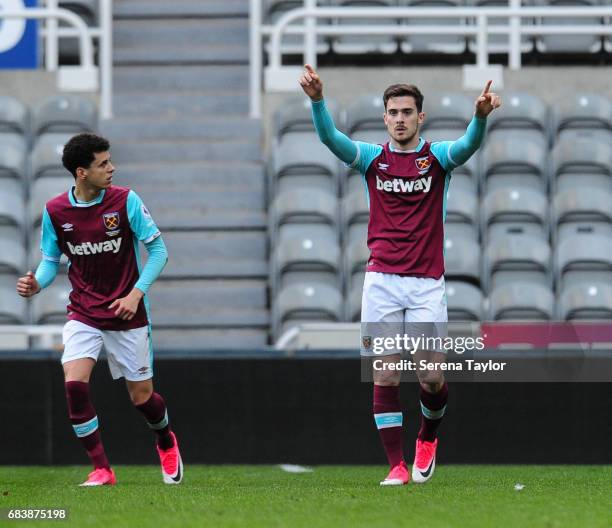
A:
(514, 13)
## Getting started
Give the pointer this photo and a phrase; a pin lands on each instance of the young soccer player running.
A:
(98, 227)
(406, 181)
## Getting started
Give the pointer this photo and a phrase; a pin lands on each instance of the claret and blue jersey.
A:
(406, 193)
(100, 239)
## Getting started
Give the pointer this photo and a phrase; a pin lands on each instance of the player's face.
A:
(100, 172)
(402, 119)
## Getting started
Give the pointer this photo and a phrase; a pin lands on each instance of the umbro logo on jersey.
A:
(383, 166)
(92, 248)
(397, 185)
(68, 227)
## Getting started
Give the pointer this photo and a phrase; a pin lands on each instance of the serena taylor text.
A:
(424, 364)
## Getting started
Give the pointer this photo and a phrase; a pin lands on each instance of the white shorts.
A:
(393, 304)
(129, 352)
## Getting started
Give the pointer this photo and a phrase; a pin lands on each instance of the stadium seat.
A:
(568, 43)
(64, 113)
(582, 152)
(305, 253)
(46, 157)
(365, 113)
(516, 157)
(582, 204)
(460, 230)
(305, 302)
(293, 44)
(303, 206)
(521, 111)
(302, 154)
(585, 300)
(361, 44)
(499, 43)
(50, 308)
(519, 256)
(12, 250)
(356, 252)
(462, 260)
(582, 256)
(573, 180)
(12, 207)
(447, 110)
(569, 229)
(354, 295)
(521, 301)
(433, 43)
(581, 110)
(44, 189)
(465, 302)
(294, 114)
(14, 116)
(515, 205)
(13, 156)
(12, 306)
(354, 204)
(462, 202)
(508, 229)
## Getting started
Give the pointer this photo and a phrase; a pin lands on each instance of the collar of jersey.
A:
(76, 203)
(419, 147)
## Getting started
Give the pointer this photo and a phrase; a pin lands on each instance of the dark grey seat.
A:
(581, 110)
(516, 256)
(365, 113)
(361, 44)
(521, 111)
(303, 302)
(583, 255)
(568, 43)
(294, 114)
(354, 205)
(50, 308)
(462, 203)
(14, 116)
(433, 43)
(516, 156)
(465, 301)
(12, 208)
(356, 252)
(44, 189)
(12, 249)
(521, 301)
(13, 156)
(585, 300)
(354, 296)
(462, 260)
(304, 253)
(64, 113)
(12, 306)
(582, 152)
(447, 110)
(46, 159)
(582, 204)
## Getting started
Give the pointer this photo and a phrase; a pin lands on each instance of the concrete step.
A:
(170, 53)
(181, 104)
(179, 78)
(164, 175)
(179, 33)
(198, 339)
(215, 128)
(180, 8)
(179, 151)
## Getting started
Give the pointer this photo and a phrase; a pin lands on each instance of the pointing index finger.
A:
(487, 87)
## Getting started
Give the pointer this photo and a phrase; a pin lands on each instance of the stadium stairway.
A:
(182, 138)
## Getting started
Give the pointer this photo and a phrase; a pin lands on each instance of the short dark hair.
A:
(81, 150)
(403, 90)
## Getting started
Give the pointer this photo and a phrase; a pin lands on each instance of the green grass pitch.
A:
(330, 496)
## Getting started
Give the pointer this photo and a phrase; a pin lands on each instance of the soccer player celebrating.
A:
(406, 181)
(98, 227)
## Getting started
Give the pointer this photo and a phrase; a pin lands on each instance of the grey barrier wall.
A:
(298, 410)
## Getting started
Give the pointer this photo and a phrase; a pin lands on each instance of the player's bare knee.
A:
(140, 394)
